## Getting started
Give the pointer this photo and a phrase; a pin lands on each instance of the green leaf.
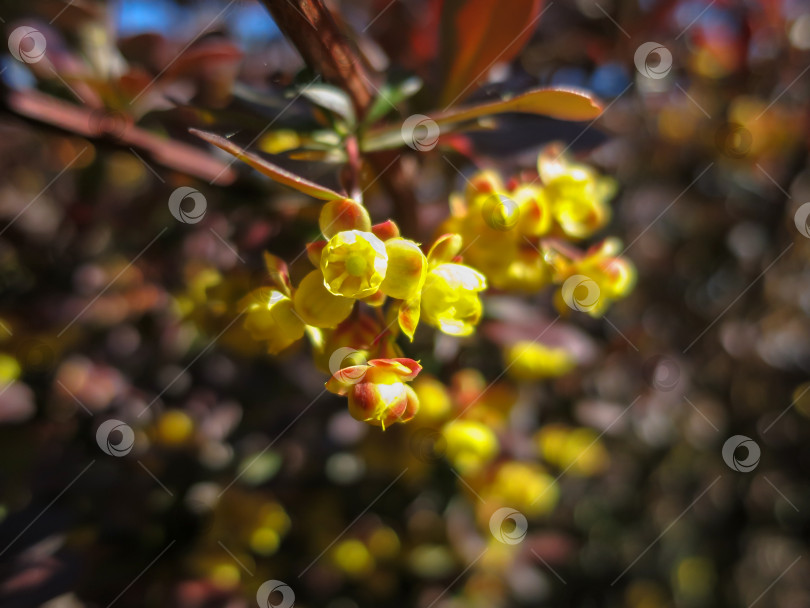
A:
(330, 98)
(272, 171)
(390, 96)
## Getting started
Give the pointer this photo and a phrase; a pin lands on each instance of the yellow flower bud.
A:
(343, 214)
(450, 299)
(317, 306)
(434, 399)
(353, 557)
(577, 451)
(469, 445)
(526, 487)
(354, 264)
(269, 316)
(277, 142)
(532, 361)
(407, 269)
(174, 427)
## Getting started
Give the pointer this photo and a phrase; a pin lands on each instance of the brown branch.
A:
(310, 27)
(314, 33)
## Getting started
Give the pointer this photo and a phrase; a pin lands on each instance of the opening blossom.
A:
(377, 391)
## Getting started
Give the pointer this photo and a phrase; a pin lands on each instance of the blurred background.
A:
(224, 467)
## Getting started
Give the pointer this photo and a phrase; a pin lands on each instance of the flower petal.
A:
(317, 306)
(444, 249)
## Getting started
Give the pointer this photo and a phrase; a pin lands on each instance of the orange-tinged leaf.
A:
(279, 274)
(476, 34)
(560, 103)
(269, 169)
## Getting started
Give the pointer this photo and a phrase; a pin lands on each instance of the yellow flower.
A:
(526, 487)
(269, 315)
(434, 399)
(578, 451)
(317, 306)
(532, 361)
(594, 281)
(354, 264)
(576, 194)
(469, 445)
(450, 299)
(407, 269)
(377, 391)
(501, 228)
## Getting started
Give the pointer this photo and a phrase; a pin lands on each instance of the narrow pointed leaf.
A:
(562, 104)
(272, 171)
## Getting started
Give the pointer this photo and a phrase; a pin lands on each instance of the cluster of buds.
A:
(369, 284)
(519, 234)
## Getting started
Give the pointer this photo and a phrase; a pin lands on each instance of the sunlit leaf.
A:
(269, 169)
(562, 104)
(330, 98)
(476, 34)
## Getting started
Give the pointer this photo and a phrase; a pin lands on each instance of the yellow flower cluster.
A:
(360, 262)
(516, 234)
(369, 284)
